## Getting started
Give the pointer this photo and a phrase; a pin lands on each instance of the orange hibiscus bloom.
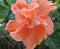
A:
(32, 23)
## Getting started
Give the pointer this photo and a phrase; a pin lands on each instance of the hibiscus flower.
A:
(32, 23)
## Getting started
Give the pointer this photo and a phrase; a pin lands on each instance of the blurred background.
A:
(6, 42)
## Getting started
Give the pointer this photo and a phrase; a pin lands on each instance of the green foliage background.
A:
(53, 41)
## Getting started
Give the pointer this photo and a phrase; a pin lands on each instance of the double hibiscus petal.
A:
(32, 23)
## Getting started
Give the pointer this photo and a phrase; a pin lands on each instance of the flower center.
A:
(35, 22)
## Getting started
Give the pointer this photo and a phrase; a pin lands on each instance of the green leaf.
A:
(11, 16)
(52, 44)
(1, 11)
(56, 14)
(57, 26)
(6, 12)
(10, 2)
(1, 30)
(57, 2)
(3, 4)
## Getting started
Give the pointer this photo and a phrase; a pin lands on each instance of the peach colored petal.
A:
(33, 6)
(45, 7)
(18, 5)
(29, 11)
(20, 19)
(21, 14)
(20, 33)
(48, 24)
(30, 37)
(11, 25)
(21, 3)
(28, 14)
(37, 34)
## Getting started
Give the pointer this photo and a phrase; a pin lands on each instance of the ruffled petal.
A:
(18, 5)
(35, 37)
(11, 26)
(45, 7)
(30, 37)
(20, 33)
(33, 6)
(48, 24)
(20, 19)
(29, 11)
(24, 13)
